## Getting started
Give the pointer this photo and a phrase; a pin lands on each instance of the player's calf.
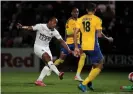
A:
(51, 65)
(57, 62)
(49, 72)
(99, 64)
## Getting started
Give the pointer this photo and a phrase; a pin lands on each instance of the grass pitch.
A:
(23, 83)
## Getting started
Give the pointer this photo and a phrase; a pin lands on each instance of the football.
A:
(130, 76)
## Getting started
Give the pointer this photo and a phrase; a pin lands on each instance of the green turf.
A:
(23, 83)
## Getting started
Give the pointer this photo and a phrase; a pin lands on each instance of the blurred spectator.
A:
(102, 7)
(17, 41)
(7, 40)
(38, 18)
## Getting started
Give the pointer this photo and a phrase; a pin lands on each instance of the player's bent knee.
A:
(46, 57)
(98, 65)
(101, 66)
(95, 65)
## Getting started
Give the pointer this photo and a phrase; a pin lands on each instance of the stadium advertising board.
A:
(19, 59)
(117, 60)
(120, 60)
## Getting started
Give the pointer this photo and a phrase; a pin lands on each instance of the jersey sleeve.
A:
(57, 35)
(36, 27)
(99, 24)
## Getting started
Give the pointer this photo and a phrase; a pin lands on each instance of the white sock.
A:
(43, 73)
(78, 75)
(53, 67)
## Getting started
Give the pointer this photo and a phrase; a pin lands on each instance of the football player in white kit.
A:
(44, 34)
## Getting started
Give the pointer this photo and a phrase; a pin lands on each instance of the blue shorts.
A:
(94, 56)
(71, 46)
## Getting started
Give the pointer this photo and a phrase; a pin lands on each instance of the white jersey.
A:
(44, 34)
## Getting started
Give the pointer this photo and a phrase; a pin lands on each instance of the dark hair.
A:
(51, 18)
(91, 7)
(74, 8)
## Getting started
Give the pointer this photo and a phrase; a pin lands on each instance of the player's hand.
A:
(110, 39)
(19, 26)
(70, 52)
(76, 52)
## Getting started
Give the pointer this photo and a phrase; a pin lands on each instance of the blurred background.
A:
(17, 46)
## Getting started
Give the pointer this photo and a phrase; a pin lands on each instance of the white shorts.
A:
(39, 51)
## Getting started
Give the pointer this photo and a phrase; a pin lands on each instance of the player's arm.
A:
(63, 43)
(102, 35)
(76, 50)
(99, 31)
(76, 31)
(28, 28)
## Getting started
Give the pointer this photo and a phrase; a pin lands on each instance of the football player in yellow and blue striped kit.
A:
(91, 28)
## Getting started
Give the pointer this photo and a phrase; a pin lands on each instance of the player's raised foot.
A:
(78, 78)
(61, 75)
(49, 72)
(82, 87)
(39, 83)
(89, 85)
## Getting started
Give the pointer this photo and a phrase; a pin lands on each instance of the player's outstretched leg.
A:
(48, 59)
(89, 85)
(39, 81)
(58, 62)
(49, 72)
(80, 67)
(53, 68)
(93, 73)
